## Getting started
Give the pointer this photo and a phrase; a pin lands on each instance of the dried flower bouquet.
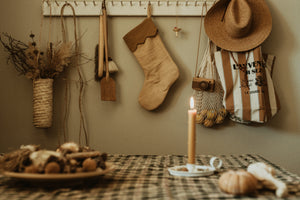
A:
(30, 61)
(42, 67)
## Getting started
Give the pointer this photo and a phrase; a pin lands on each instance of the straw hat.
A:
(238, 25)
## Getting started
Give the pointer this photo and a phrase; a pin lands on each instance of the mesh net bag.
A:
(208, 92)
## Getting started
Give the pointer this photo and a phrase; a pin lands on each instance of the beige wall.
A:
(124, 126)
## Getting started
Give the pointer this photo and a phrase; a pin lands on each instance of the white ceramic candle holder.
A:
(193, 170)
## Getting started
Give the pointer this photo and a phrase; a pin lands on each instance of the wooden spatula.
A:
(108, 85)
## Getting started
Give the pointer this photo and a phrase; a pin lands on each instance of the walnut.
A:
(89, 165)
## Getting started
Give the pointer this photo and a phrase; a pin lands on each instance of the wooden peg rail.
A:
(128, 8)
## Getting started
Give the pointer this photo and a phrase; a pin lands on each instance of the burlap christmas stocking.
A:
(159, 68)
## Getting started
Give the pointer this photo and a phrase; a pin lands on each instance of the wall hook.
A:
(129, 7)
(176, 30)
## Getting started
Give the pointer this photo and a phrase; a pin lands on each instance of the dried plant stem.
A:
(16, 50)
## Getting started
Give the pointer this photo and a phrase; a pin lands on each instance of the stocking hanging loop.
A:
(149, 9)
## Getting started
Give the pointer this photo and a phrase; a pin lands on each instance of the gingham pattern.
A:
(147, 177)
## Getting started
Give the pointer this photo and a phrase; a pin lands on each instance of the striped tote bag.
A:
(249, 94)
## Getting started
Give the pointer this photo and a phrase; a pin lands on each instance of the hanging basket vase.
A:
(42, 103)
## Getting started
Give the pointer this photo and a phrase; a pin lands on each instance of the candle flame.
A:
(192, 103)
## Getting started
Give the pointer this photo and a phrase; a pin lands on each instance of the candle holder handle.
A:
(215, 163)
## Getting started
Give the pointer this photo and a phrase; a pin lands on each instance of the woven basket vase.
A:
(42, 103)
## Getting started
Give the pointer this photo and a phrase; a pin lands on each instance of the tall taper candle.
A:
(191, 132)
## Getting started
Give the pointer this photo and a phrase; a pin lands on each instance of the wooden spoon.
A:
(101, 47)
(108, 85)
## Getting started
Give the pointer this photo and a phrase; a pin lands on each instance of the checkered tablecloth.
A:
(147, 177)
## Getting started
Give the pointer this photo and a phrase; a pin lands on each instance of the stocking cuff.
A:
(140, 33)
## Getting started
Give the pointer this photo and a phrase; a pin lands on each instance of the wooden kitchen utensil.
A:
(108, 85)
(101, 47)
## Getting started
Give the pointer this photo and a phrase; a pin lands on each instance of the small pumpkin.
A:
(199, 119)
(219, 119)
(238, 182)
(203, 113)
(211, 114)
(222, 112)
(208, 123)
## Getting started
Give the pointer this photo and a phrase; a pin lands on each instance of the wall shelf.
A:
(128, 8)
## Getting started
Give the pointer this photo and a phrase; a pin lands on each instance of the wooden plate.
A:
(59, 177)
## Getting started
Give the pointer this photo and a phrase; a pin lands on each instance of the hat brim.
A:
(260, 29)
